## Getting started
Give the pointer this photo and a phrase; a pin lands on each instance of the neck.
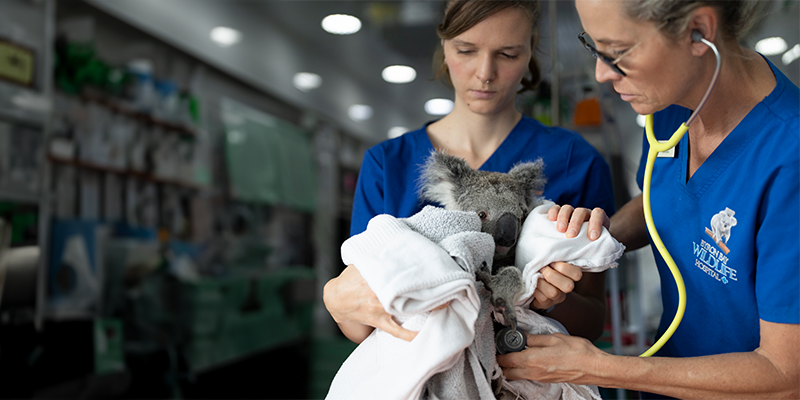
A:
(744, 80)
(472, 136)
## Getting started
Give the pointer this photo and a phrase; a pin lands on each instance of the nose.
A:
(486, 68)
(506, 232)
(604, 73)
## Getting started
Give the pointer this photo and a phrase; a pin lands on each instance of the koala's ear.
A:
(531, 175)
(441, 176)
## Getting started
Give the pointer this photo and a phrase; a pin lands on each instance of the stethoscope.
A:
(655, 148)
(512, 339)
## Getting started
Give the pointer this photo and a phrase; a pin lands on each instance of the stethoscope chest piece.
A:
(508, 340)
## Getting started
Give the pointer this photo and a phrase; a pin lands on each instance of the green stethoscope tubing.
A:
(655, 148)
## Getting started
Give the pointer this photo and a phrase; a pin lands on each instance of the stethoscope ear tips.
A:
(697, 36)
(509, 340)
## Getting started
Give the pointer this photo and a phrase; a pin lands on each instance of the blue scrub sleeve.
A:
(368, 198)
(778, 249)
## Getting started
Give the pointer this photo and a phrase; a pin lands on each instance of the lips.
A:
(624, 96)
(482, 94)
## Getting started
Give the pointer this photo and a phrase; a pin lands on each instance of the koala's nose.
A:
(507, 229)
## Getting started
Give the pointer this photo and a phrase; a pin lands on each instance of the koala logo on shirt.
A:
(721, 224)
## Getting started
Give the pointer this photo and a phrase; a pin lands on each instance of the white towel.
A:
(411, 275)
(540, 244)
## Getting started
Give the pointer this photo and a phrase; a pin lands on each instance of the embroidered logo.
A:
(712, 259)
(721, 224)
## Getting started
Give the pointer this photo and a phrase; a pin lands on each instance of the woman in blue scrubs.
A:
(486, 56)
(726, 205)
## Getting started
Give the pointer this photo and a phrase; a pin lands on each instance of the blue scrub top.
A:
(389, 179)
(752, 271)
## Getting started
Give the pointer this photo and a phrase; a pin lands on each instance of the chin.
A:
(647, 108)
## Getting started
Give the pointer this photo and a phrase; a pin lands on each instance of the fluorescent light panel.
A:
(306, 81)
(438, 106)
(791, 55)
(771, 46)
(359, 112)
(225, 36)
(341, 24)
(399, 74)
(397, 131)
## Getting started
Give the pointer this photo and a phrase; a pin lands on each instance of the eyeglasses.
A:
(612, 62)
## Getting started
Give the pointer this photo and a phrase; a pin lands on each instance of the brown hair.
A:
(461, 15)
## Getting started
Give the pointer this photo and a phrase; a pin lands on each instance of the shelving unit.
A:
(89, 166)
(142, 117)
(65, 163)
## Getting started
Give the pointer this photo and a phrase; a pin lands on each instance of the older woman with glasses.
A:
(726, 204)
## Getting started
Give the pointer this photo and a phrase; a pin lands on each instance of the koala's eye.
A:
(482, 214)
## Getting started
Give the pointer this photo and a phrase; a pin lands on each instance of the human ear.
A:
(705, 21)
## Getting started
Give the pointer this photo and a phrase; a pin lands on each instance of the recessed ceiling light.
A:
(399, 74)
(360, 112)
(641, 120)
(791, 55)
(225, 36)
(341, 24)
(306, 81)
(438, 106)
(771, 46)
(397, 131)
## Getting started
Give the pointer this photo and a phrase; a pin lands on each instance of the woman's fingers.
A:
(558, 279)
(547, 295)
(566, 273)
(349, 298)
(552, 213)
(387, 324)
(597, 220)
(570, 219)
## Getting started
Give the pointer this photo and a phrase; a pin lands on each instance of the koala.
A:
(721, 224)
(502, 201)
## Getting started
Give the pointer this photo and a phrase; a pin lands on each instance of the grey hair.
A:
(736, 18)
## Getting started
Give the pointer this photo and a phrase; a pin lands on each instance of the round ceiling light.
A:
(341, 24)
(438, 106)
(398, 74)
(791, 55)
(397, 131)
(225, 36)
(306, 81)
(360, 112)
(771, 46)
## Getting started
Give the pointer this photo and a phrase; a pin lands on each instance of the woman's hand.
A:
(557, 280)
(355, 307)
(570, 220)
(551, 359)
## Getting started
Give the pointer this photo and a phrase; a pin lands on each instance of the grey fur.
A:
(505, 199)
(449, 181)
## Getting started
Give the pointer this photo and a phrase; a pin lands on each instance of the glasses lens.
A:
(596, 54)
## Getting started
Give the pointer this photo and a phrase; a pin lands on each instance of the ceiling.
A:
(281, 38)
